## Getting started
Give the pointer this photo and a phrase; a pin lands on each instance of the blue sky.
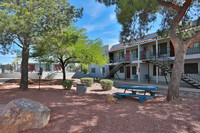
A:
(99, 20)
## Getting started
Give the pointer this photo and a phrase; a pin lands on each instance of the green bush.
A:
(87, 81)
(67, 84)
(106, 84)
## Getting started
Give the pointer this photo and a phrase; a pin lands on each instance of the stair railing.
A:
(193, 76)
(118, 60)
(167, 61)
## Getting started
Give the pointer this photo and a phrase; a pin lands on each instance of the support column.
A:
(157, 74)
(138, 69)
(124, 53)
(52, 67)
(125, 72)
(156, 58)
(148, 74)
(156, 48)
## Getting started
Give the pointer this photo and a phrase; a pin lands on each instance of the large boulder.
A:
(22, 114)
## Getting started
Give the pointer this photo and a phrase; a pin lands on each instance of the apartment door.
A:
(31, 67)
(128, 72)
(57, 67)
(127, 55)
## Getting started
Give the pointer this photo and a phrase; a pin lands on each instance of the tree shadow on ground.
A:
(89, 113)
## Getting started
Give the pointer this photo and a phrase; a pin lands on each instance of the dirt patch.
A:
(90, 113)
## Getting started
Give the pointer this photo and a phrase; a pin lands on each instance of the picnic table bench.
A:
(142, 98)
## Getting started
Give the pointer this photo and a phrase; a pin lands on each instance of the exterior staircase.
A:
(121, 61)
(164, 65)
(115, 69)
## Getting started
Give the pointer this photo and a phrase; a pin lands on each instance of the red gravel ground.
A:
(89, 113)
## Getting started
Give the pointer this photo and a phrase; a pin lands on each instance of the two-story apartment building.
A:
(34, 66)
(149, 59)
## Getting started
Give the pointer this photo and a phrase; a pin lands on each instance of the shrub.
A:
(67, 84)
(87, 81)
(106, 84)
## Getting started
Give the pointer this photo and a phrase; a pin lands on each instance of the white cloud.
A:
(111, 41)
(110, 32)
(101, 25)
(96, 26)
(8, 56)
(90, 28)
(113, 17)
(94, 9)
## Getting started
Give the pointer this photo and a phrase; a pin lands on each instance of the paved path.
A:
(2, 80)
(151, 84)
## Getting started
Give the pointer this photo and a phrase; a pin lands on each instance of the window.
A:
(191, 68)
(122, 54)
(103, 69)
(134, 53)
(163, 48)
(133, 70)
(121, 70)
(57, 67)
(93, 70)
(47, 67)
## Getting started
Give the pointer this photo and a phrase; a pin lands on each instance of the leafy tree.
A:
(84, 68)
(69, 45)
(22, 21)
(136, 17)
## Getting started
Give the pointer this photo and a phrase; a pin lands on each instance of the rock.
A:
(30, 81)
(22, 114)
(111, 99)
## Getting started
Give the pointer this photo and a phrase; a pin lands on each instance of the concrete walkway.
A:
(2, 80)
(152, 84)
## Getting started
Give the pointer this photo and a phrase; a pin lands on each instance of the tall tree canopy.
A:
(69, 45)
(22, 21)
(136, 17)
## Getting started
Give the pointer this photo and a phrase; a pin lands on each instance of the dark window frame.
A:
(134, 70)
(191, 68)
(164, 48)
(103, 69)
(121, 70)
(93, 70)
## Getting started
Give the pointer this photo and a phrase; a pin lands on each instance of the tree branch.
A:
(169, 4)
(20, 41)
(17, 44)
(192, 40)
(175, 21)
(65, 62)
(182, 11)
(61, 60)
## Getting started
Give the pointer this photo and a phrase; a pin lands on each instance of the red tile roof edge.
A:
(135, 43)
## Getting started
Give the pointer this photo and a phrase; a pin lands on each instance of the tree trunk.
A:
(178, 68)
(24, 69)
(63, 69)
